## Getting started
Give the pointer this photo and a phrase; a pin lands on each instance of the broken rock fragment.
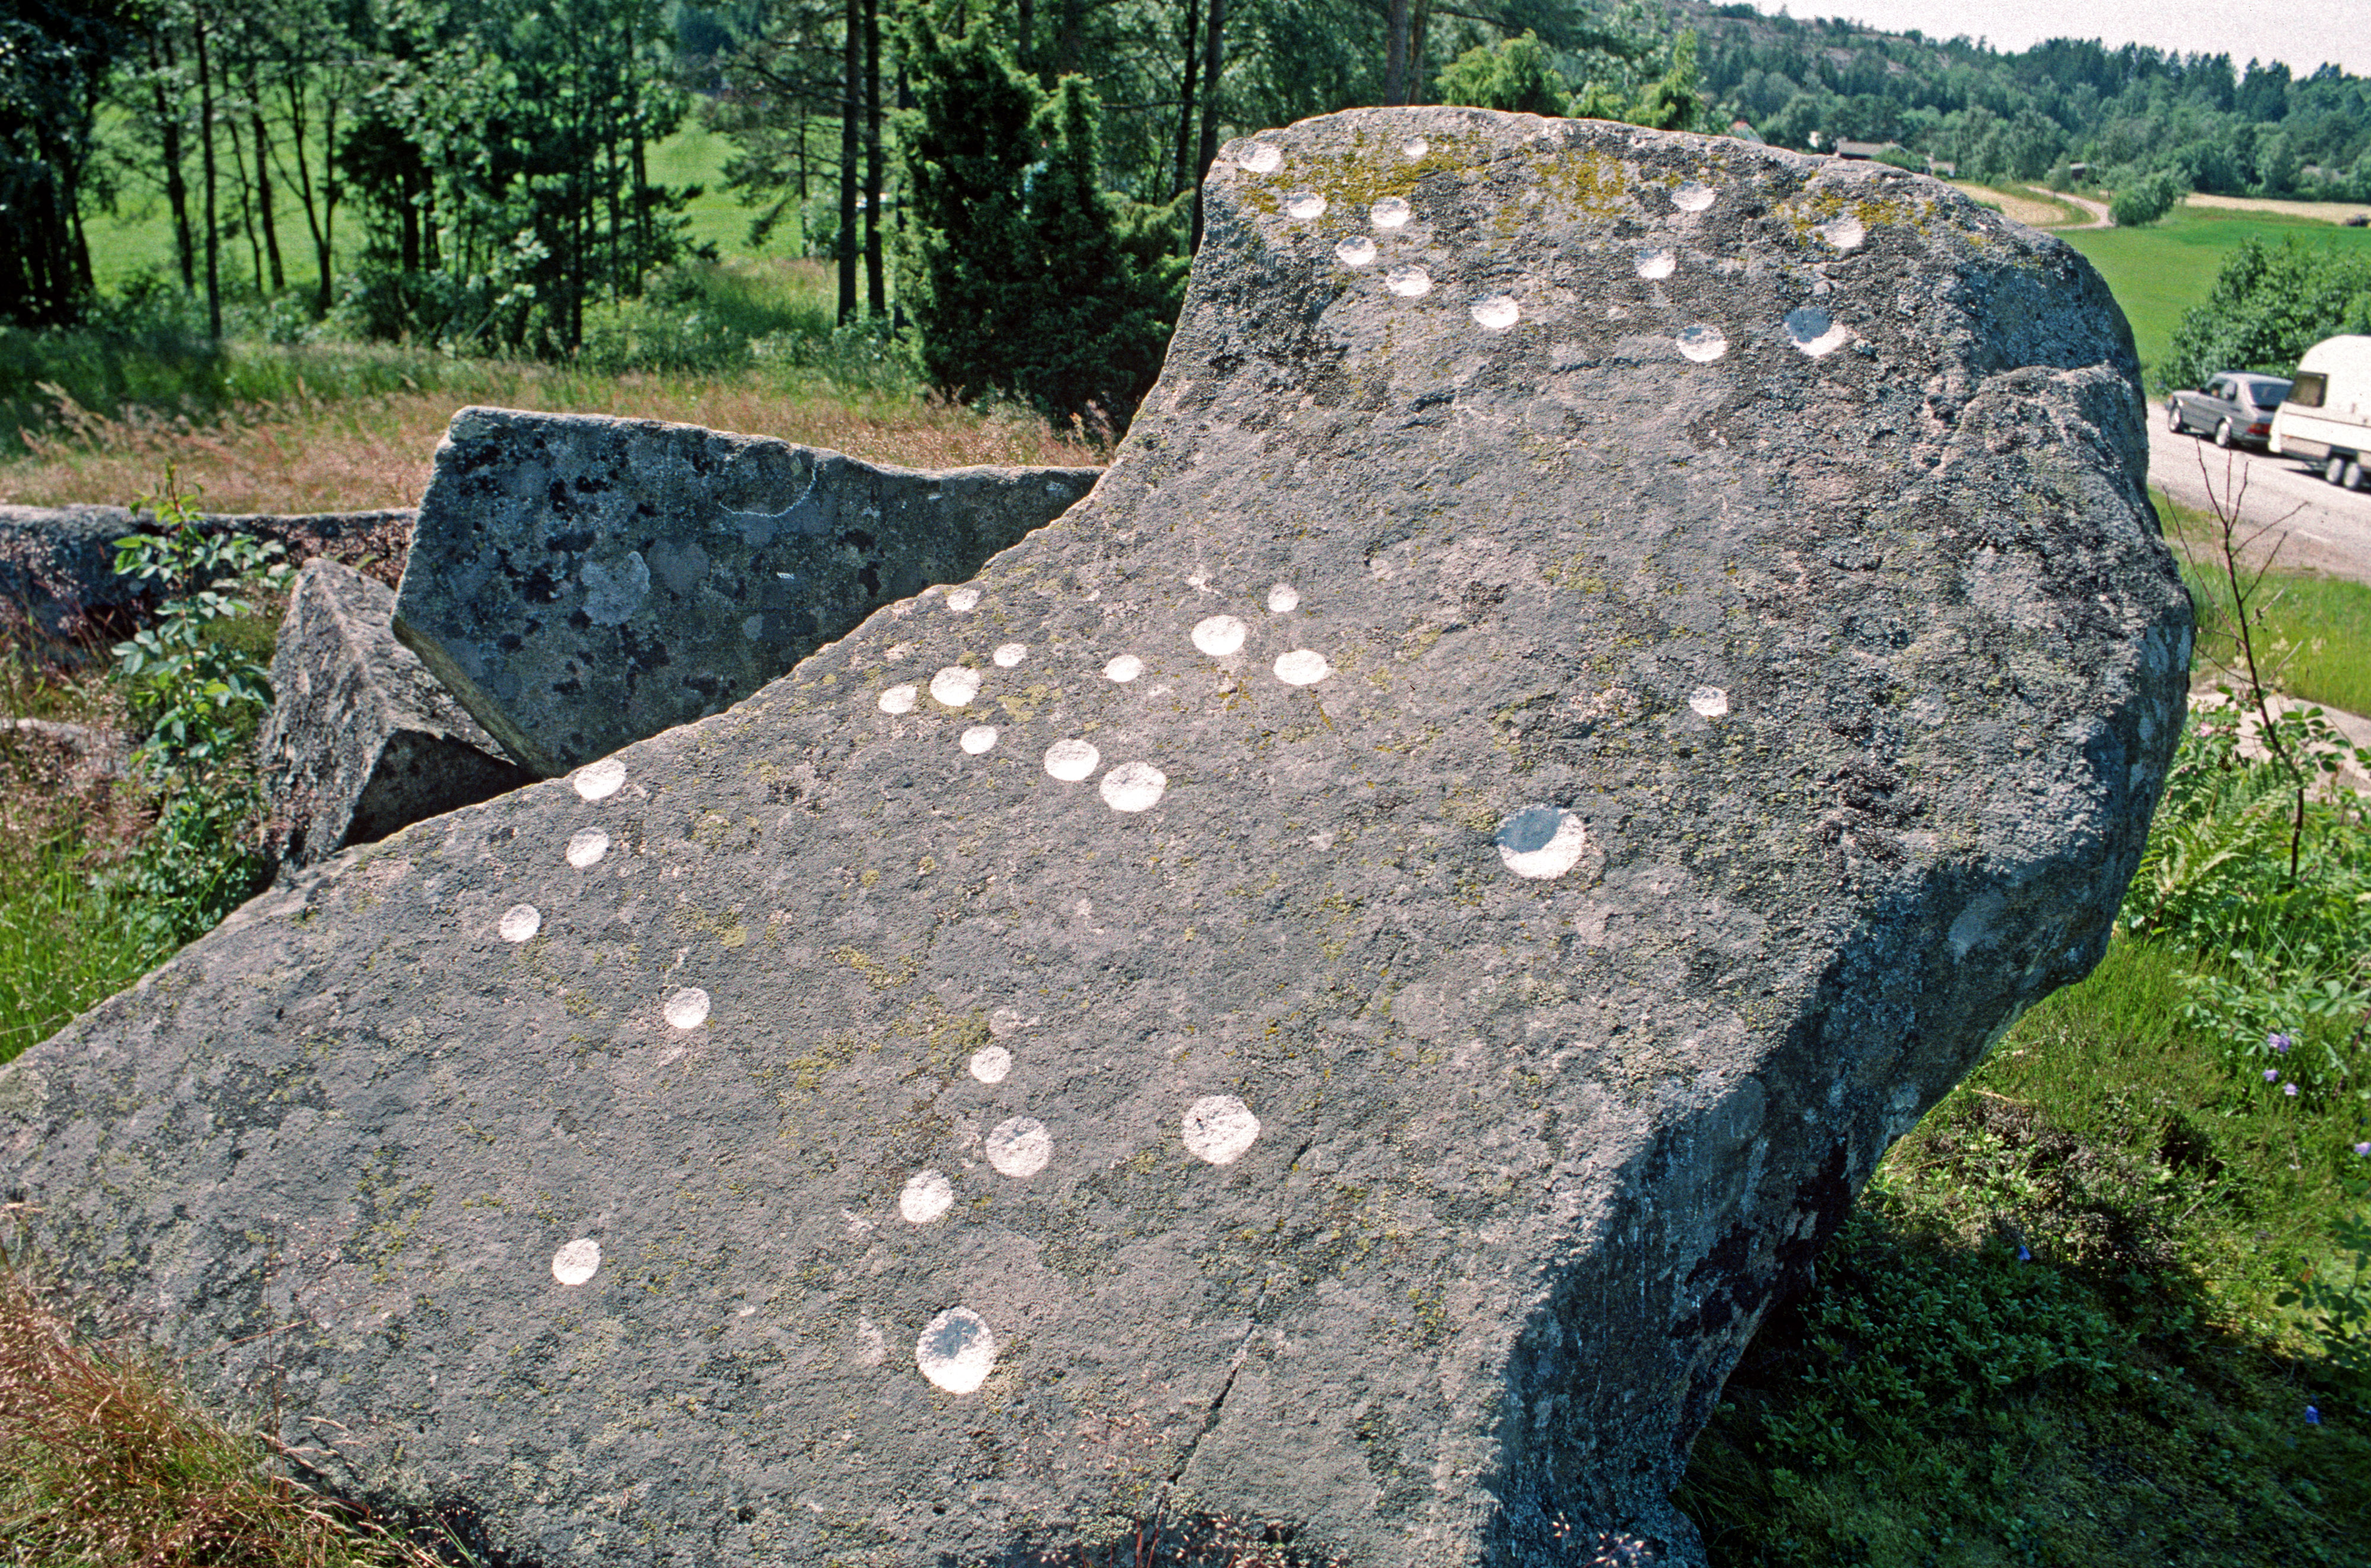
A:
(362, 739)
(581, 582)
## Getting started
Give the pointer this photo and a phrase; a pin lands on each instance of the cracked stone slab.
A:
(1334, 993)
(362, 739)
(59, 590)
(581, 582)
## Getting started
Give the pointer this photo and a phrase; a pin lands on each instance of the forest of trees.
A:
(478, 174)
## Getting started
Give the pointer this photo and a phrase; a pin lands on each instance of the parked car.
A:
(2325, 421)
(2236, 407)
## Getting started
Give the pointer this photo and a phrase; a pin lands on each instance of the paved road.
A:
(2317, 525)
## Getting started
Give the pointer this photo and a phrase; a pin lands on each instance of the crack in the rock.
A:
(1217, 1404)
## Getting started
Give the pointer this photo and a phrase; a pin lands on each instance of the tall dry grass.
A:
(307, 453)
(106, 1460)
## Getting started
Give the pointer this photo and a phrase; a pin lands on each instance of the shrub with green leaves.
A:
(197, 687)
(2146, 200)
(2263, 873)
(2268, 306)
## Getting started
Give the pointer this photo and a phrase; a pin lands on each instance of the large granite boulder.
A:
(1322, 994)
(581, 582)
(362, 739)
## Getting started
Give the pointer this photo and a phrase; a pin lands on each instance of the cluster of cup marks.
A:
(1809, 327)
(956, 1350)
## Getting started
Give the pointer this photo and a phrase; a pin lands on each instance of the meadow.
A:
(2095, 1309)
(2160, 270)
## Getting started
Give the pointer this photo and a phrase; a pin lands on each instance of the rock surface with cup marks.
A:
(1322, 994)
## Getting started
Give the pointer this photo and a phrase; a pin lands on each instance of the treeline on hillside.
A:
(479, 173)
(2131, 114)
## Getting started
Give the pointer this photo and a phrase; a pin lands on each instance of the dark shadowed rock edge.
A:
(1774, 579)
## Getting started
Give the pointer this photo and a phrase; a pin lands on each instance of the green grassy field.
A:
(138, 235)
(2159, 271)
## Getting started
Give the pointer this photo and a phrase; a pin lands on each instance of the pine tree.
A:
(1022, 276)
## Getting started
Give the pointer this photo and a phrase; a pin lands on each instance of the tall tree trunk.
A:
(1183, 175)
(851, 63)
(263, 187)
(329, 192)
(206, 165)
(876, 288)
(1213, 56)
(1397, 23)
(293, 87)
(246, 189)
(169, 127)
(1025, 47)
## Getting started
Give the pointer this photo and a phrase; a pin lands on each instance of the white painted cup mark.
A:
(1846, 233)
(1124, 669)
(1134, 787)
(687, 1008)
(1303, 667)
(1497, 313)
(1004, 1021)
(1355, 252)
(1703, 342)
(1011, 654)
(1659, 263)
(1692, 196)
(586, 846)
(577, 1261)
(1020, 1146)
(1810, 330)
(1304, 205)
(1219, 1129)
(1710, 701)
(1541, 842)
(964, 599)
(1071, 761)
(927, 1196)
(978, 739)
(1408, 283)
(954, 686)
(1219, 635)
(599, 780)
(990, 1064)
(1283, 599)
(898, 700)
(1391, 213)
(519, 922)
(1414, 148)
(956, 1352)
(1261, 158)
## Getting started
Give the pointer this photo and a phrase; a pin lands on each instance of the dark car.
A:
(2236, 407)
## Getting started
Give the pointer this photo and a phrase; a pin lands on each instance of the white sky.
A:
(2303, 36)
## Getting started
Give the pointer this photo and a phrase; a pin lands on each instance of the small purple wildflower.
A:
(2312, 1416)
(2364, 1149)
(2272, 1075)
(2289, 1090)
(2279, 1042)
(2024, 1255)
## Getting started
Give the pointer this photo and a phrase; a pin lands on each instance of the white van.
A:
(2326, 419)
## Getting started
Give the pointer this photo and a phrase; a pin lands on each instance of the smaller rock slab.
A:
(581, 583)
(59, 591)
(362, 739)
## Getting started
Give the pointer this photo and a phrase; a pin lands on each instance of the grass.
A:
(2125, 1392)
(2319, 628)
(347, 426)
(2158, 272)
(106, 1460)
